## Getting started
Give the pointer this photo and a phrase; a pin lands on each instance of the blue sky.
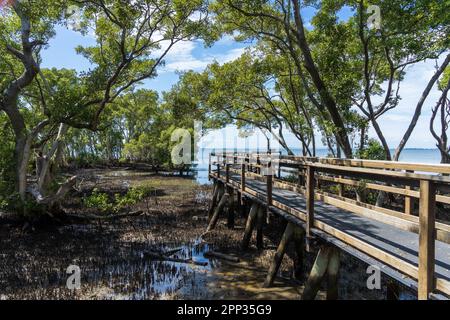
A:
(192, 55)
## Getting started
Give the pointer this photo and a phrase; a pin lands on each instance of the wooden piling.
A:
(317, 273)
(275, 266)
(392, 291)
(299, 246)
(249, 226)
(231, 209)
(217, 212)
(213, 201)
(333, 275)
(261, 219)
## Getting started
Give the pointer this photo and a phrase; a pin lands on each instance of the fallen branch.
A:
(106, 217)
(221, 256)
(172, 252)
(62, 191)
(160, 257)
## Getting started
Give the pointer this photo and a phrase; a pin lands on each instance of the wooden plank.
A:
(427, 213)
(405, 222)
(372, 186)
(379, 254)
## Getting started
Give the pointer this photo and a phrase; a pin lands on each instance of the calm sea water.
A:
(408, 155)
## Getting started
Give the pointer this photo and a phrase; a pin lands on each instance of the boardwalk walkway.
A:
(389, 239)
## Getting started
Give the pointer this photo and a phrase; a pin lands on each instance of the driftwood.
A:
(105, 217)
(221, 256)
(160, 257)
(172, 252)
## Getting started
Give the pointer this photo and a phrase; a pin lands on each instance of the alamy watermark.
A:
(374, 280)
(74, 280)
(186, 145)
(374, 21)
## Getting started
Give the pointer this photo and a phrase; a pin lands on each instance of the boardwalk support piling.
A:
(275, 266)
(299, 245)
(327, 263)
(217, 212)
(333, 275)
(291, 233)
(216, 198)
(213, 200)
(318, 271)
(231, 209)
(250, 225)
(261, 219)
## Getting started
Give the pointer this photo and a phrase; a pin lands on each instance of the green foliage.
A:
(98, 200)
(133, 196)
(101, 201)
(373, 151)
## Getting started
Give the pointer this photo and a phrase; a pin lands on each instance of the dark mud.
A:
(112, 254)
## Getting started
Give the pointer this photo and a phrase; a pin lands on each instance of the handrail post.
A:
(409, 202)
(309, 199)
(258, 162)
(427, 214)
(227, 172)
(218, 168)
(279, 165)
(341, 188)
(209, 168)
(243, 177)
(269, 184)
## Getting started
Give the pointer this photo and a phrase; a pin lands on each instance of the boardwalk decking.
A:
(388, 244)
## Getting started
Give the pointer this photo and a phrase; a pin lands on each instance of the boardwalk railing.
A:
(344, 184)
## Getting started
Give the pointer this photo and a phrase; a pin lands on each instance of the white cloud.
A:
(181, 57)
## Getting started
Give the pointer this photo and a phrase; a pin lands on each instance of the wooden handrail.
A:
(341, 171)
(375, 164)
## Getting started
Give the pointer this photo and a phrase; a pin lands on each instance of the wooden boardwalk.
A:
(413, 250)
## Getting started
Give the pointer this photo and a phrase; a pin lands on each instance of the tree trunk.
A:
(329, 102)
(419, 106)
